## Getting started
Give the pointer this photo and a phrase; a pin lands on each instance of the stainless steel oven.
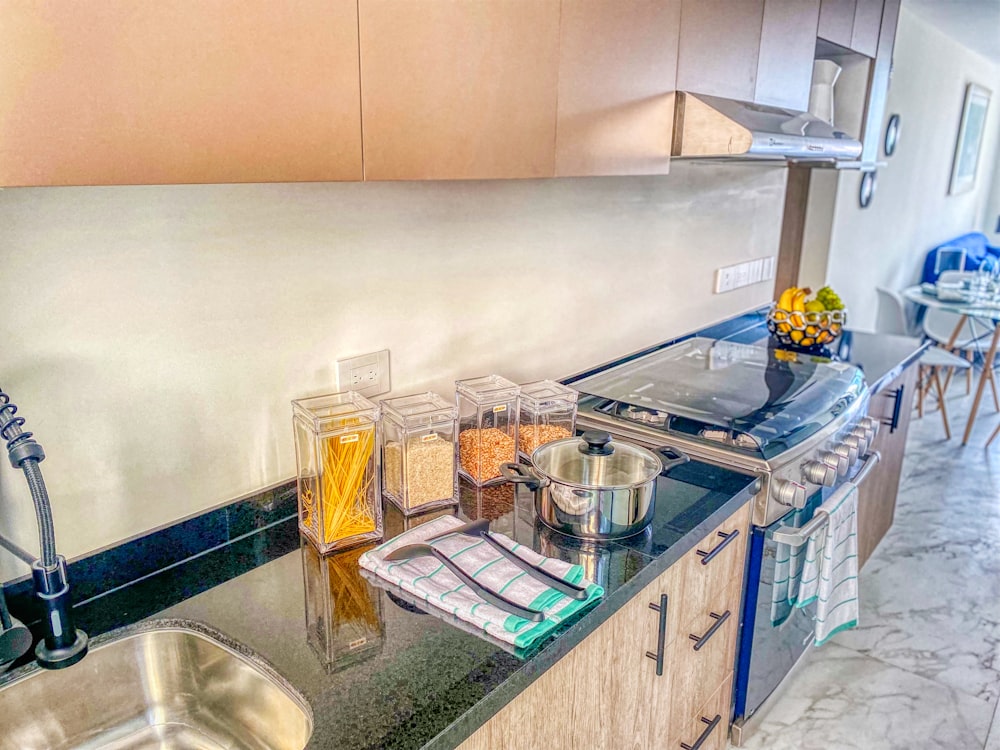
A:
(797, 422)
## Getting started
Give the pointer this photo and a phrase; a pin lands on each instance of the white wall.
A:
(885, 244)
(154, 336)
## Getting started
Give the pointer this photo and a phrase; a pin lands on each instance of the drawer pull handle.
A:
(701, 640)
(661, 634)
(706, 557)
(712, 724)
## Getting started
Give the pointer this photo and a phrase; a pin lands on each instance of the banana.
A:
(785, 300)
(799, 300)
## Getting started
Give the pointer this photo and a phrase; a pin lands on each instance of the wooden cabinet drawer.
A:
(710, 721)
(713, 570)
(696, 672)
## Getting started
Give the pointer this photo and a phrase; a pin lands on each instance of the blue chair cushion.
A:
(976, 252)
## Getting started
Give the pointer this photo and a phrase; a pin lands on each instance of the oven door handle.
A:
(797, 537)
(871, 461)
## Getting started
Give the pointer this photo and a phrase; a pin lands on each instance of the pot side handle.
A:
(521, 474)
(672, 458)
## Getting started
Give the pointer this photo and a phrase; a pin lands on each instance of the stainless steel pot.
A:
(588, 487)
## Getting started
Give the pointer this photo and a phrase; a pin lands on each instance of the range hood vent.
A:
(713, 127)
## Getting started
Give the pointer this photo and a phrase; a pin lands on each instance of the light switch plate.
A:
(367, 374)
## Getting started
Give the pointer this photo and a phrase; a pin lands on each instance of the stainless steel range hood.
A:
(710, 127)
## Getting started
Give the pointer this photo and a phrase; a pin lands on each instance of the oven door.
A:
(775, 632)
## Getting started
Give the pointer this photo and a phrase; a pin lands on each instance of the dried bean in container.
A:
(482, 451)
(530, 436)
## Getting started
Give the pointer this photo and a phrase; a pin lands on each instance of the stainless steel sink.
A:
(166, 687)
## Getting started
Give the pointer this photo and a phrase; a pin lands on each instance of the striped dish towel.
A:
(428, 580)
(830, 571)
(788, 561)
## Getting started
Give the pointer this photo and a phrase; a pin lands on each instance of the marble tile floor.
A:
(923, 668)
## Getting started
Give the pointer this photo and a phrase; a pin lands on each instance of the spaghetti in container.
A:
(336, 453)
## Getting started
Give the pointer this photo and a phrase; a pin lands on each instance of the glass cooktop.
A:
(752, 398)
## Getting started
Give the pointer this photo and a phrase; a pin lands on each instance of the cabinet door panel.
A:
(617, 69)
(459, 89)
(867, 24)
(708, 587)
(719, 43)
(787, 49)
(836, 21)
(178, 91)
(699, 723)
(877, 496)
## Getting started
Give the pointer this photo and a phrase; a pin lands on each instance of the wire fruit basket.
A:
(805, 331)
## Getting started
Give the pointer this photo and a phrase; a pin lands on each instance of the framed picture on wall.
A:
(970, 139)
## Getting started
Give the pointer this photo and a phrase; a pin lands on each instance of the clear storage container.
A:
(487, 427)
(418, 452)
(338, 480)
(547, 413)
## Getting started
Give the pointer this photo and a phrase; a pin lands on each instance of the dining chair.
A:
(892, 319)
(974, 335)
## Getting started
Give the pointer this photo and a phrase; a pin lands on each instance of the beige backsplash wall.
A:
(154, 336)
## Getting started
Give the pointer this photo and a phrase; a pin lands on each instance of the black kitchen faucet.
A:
(62, 644)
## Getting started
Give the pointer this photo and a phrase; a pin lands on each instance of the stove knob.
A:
(820, 472)
(837, 462)
(847, 452)
(789, 493)
(871, 425)
(864, 439)
(858, 444)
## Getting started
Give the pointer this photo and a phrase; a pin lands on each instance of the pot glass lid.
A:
(752, 398)
(594, 460)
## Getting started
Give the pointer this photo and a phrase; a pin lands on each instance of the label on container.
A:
(428, 438)
(352, 438)
(499, 408)
(357, 643)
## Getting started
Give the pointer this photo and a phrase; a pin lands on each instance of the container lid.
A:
(594, 461)
(541, 394)
(419, 410)
(487, 389)
(336, 410)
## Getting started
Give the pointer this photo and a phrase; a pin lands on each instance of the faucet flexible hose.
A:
(26, 453)
(43, 512)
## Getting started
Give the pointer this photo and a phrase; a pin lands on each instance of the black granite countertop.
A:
(380, 673)
(880, 356)
(376, 670)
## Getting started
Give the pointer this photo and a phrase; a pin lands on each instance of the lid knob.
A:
(597, 443)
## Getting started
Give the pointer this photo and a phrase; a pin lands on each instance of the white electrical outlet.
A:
(724, 279)
(769, 263)
(367, 374)
(742, 274)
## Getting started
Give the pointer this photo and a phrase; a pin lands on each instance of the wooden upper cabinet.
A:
(719, 44)
(617, 68)
(867, 24)
(455, 89)
(178, 91)
(787, 49)
(836, 21)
